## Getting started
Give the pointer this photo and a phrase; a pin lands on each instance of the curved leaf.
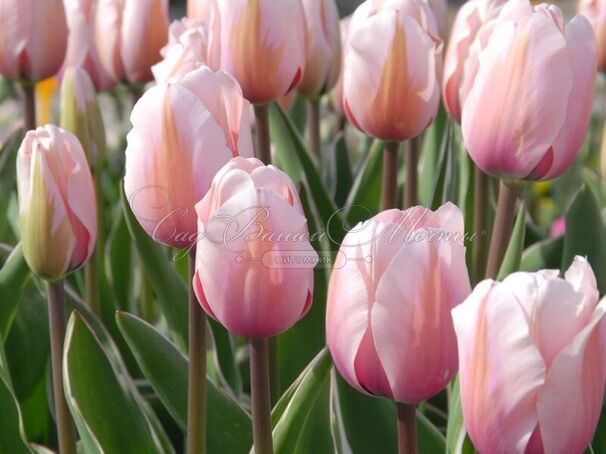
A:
(13, 277)
(513, 255)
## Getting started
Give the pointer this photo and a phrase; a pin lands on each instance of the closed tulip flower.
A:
(183, 132)
(185, 51)
(388, 322)
(595, 11)
(336, 95)
(440, 12)
(472, 16)
(532, 361)
(81, 45)
(323, 61)
(33, 38)
(130, 35)
(260, 42)
(57, 207)
(392, 69)
(530, 100)
(253, 224)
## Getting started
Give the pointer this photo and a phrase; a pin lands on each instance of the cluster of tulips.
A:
(403, 312)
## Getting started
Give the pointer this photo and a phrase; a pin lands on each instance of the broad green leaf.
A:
(12, 436)
(229, 426)
(546, 254)
(364, 199)
(170, 289)
(513, 255)
(118, 260)
(289, 433)
(586, 235)
(13, 277)
(298, 112)
(108, 416)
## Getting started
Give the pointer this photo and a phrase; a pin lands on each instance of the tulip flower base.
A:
(313, 127)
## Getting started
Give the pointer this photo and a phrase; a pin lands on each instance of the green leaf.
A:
(446, 169)
(108, 416)
(12, 436)
(586, 235)
(118, 260)
(224, 356)
(289, 430)
(13, 277)
(339, 169)
(546, 254)
(513, 255)
(457, 441)
(430, 155)
(364, 199)
(170, 289)
(228, 425)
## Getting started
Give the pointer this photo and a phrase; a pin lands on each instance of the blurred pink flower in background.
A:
(529, 103)
(261, 43)
(532, 361)
(392, 69)
(558, 227)
(57, 204)
(595, 11)
(183, 132)
(336, 95)
(262, 298)
(388, 322)
(33, 38)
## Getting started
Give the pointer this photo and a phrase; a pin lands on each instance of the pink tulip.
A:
(260, 42)
(471, 18)
(532, 361)
(388, 322)
(336, 95)
(199, 10)
(57, 204)
(595, 11)
(33, 38)
(440, 13)
(183, 132)
(252, 222)
(558, 227)
(392, 69)
(530, 100)
(130, 34)
(81, 45)
(186, 49)
(323, 61)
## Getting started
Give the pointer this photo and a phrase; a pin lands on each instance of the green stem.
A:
(390, 175)
(407, 428)
(29, 105)
(260, 399)
(480, 223)
(411, 160)
(56, 318)
(313, 127)
(196, 397)
(262, 148)
(503, 226)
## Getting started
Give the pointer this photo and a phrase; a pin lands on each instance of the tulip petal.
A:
(501, 370)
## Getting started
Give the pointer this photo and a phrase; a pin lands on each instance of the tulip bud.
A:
(261, 43)
(81, 46)
(323, 61)
(595, 12)
(388, 322)
(391, 79)
(255, 232)
(57, 207)
(183, 132)
(130, 35)
(33, 38)
(186, 49)
(199, 10)
(529, 104)
(80, 113)
(336, 95)
(471, 18)
(532, 361)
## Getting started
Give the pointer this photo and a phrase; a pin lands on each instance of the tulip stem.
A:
(260, 399)
(313, 127)
(411, 160)
(56, 319)
(390, 175)
(407, 428)
(29, 105)
(480, 222)
(196, 397)
(503, 226)
(262, 149)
